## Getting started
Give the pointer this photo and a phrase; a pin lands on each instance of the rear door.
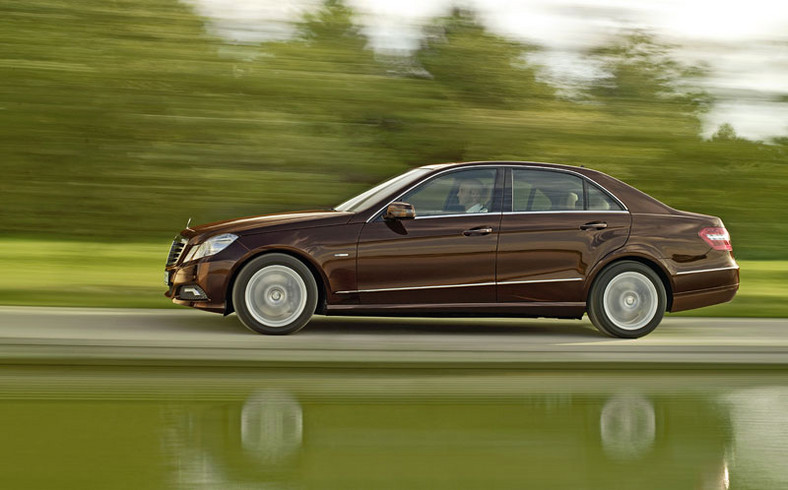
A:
(556, 225)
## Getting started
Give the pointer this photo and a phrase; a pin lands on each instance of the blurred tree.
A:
(334, 38)
(366, 119)
(482, 68)
(725, 132)
(651, 108)
(503, 109)
(89, 88)
(644, 79)
(119, 120)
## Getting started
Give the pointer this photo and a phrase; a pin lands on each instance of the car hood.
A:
(259, 224)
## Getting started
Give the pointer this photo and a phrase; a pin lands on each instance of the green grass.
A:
(763, 292)
(130, 275)
(63, 273)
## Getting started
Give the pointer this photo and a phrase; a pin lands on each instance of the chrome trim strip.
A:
(457, 215)
(708, 270)
(504, 165)
(413, 288)
(536, 281)
(453, 306)
(565, 211)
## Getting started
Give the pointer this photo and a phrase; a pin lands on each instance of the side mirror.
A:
(400, 210)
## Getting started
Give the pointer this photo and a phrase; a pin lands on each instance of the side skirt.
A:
(531, 310)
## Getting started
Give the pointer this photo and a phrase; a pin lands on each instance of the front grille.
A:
(176, 249)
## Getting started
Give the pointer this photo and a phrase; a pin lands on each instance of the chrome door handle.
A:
(595, 225)
(478, 231)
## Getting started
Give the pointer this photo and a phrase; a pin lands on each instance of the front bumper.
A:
(209, 277)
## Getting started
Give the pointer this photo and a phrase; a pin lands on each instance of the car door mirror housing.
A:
(400, 210)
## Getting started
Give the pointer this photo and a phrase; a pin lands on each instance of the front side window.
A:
(460, 192)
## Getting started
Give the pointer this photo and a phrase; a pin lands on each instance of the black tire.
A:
(627, 300)
(275, 294)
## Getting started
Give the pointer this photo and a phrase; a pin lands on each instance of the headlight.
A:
(211, 246)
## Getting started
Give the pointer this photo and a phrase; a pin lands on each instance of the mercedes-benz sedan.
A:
(464, 239)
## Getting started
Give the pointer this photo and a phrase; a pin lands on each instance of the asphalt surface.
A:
(81, 336)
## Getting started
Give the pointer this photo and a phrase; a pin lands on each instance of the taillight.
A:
(718, 238)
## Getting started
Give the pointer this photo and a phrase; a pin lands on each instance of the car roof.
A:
(501, 162)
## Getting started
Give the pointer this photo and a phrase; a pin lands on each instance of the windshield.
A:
(370, 197)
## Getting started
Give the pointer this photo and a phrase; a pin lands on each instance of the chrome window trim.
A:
(414, 288)
(502, 166)
(734, 267)
(583, 211)
(456, 215)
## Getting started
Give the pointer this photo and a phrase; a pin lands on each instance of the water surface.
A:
(260, 429)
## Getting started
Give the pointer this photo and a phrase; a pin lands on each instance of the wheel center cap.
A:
(630, 300)
(276, 295)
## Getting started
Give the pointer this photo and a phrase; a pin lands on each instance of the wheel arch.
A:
(296, 254)
(647, 261)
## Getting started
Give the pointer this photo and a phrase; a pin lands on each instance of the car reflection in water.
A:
(259, 440)
(621, 439)
(627, 427)
(272, 427)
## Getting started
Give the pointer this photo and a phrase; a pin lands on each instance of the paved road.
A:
(187, 337)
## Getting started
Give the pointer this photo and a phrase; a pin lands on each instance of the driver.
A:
(471, 195)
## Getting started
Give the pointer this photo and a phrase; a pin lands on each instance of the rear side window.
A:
(543, 190)
(537, 190)
(599, 200)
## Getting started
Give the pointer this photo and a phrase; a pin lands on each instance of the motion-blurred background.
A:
(121, 119)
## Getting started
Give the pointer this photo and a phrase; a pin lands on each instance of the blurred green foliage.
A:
(121, 119)
(70, 273)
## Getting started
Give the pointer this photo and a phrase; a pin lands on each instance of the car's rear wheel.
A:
(627, 300)
(275, 294)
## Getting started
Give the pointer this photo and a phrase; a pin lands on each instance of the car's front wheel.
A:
(627, 300)
(275, 294)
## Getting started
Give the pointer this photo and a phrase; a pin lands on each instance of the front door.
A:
(446, 254)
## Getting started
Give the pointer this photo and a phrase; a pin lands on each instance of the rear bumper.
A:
(720, 287)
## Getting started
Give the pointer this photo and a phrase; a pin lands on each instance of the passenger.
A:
(472, 195)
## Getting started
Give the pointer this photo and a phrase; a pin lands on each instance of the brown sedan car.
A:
(466, 239)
